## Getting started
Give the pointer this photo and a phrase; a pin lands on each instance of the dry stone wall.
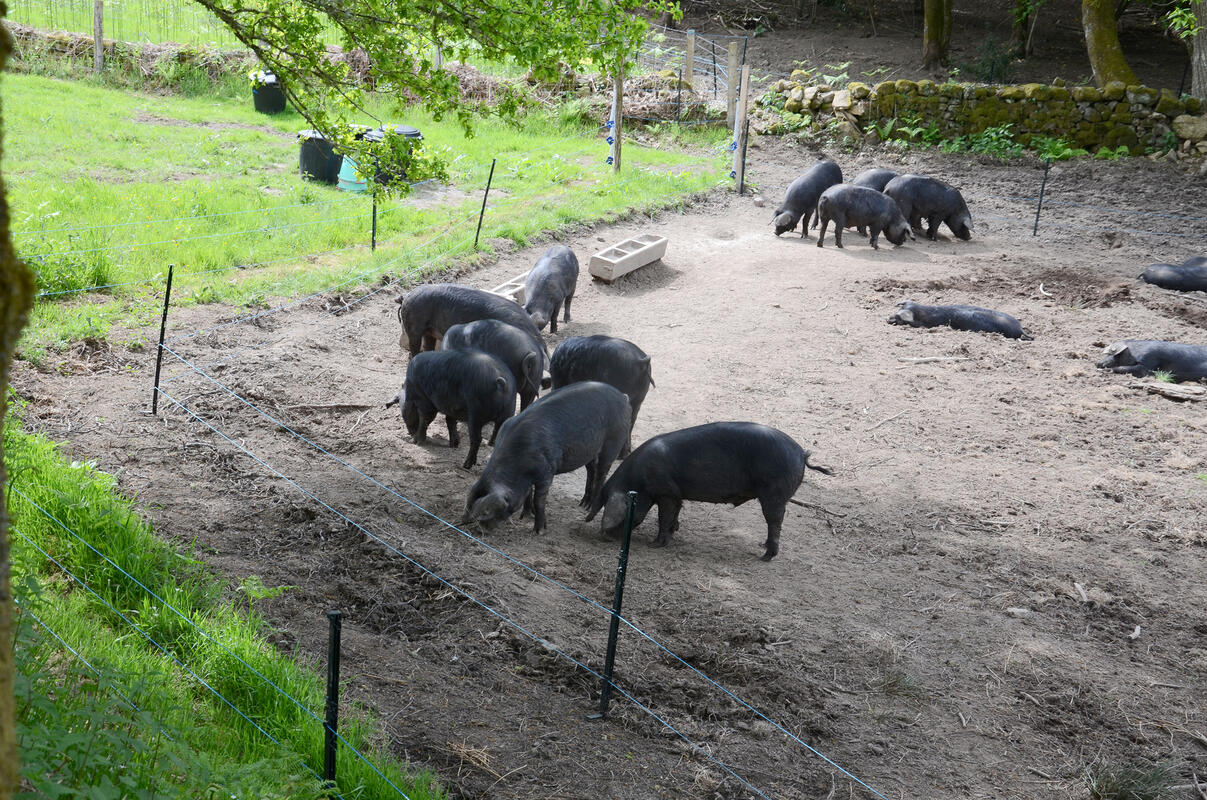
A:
(1141, 119)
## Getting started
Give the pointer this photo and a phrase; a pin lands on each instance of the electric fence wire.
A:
(281, 425)
(464, 593)
(150, 640)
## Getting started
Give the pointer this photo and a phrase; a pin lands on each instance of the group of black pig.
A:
(490, 350)
(895, 205)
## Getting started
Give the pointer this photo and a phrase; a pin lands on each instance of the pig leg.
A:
(414, 343)
(932, 226)
(566, 313)
(553, 318)
(421, 427)
(453, 439)
(1139, 370)
(429, 341)
(539, 494)
(668, 520)
(773, 512)
(475, 441)
(589, 492)
(821, 235)
(875, 235)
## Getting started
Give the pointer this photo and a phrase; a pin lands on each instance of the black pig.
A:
(922, 196)
(427, 311)
(466, 385)
(1140, 357)
(961, 318)
(722, 462)
(505, 342)
(583, 424)
(801, 198)
(857, 205)
(616, 362)
(550, 284)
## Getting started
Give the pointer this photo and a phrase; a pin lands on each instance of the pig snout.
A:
(783, 223)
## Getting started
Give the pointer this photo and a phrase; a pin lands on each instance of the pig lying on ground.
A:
(463, 385)
(508, 344)
(962, 318)
(722, 462)
(549, 285)
(920, 196)
(427, 311)
(1140, 357)
(857, 205)
(616, 362)
(801, 198)
(583, 424)
(1189, 276)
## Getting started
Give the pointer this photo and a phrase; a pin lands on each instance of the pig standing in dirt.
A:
(722, 462)
(613, 361)
(875, 179)
(1140, 357)
(801, 198)
(549, 285)
(856, 205)
(508, 344)
(922, 196)
(463, 385)
(427, 311)
(584, 424)
(961, 318)
(1189, 276)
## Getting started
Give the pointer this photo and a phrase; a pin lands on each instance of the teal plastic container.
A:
(348, 181)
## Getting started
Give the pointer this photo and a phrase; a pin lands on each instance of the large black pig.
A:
(921, 196)
(463, 385)
(583, 424)
(505, 342)
(1140, 357)
(847, 205)
(427, 311)
(550, 285)
(722, 462)
(616, 362)
(801, 198)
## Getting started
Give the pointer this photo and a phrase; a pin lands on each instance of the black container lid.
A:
(407, 131)
(311, 134)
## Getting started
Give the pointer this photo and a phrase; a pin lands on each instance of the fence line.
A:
(533, 571)
(454, 587)
(156, 644)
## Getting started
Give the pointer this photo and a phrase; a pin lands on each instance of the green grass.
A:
(1110, 781)
(109, 187)
(209, 743)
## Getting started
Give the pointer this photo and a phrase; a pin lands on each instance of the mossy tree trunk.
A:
(1198, 58)
(16, 297)
(1102, 43)
(936, 33)
(1025, 12)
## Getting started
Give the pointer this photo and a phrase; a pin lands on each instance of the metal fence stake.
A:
(163, 326)
(332, 721)
(605, 690)
(485, 195)
(373, 236)
(1040, 206)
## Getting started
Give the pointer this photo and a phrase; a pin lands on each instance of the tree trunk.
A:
(1020, 40)
(936, 33)
(16, 297)
(1198, 58)
(1102, 43)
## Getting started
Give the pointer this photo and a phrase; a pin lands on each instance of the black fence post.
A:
(1040, 206)
(745, 41)
(714, 71)
(163, 326)
(485, 195)
(373, 236)
(605, 690)
(332, 722)
(679, 101)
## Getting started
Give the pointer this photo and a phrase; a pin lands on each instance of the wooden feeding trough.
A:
(631, 254)
(513, 289)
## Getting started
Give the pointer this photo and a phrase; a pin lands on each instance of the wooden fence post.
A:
(617, 112)
(731, 85)
(689, 58)
(98, 36)
(740, 128)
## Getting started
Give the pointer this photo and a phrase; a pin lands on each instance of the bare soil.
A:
(1001, 587)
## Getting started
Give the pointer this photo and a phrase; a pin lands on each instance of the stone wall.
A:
(1142, 119)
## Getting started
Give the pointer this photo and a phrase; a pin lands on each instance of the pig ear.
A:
(501, 382)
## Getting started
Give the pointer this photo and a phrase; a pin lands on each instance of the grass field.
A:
(107, 188)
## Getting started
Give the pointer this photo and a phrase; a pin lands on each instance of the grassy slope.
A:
(110, 187)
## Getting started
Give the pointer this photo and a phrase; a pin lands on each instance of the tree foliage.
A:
(401, 39)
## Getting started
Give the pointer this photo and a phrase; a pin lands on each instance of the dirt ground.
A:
(1001, 586)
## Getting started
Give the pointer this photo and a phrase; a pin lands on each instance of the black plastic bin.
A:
(317, 159)
(268, 97)
(412, 134)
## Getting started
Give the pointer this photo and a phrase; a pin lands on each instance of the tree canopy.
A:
(400, 40)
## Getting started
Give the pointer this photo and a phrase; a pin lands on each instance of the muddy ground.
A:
(1000, 588)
